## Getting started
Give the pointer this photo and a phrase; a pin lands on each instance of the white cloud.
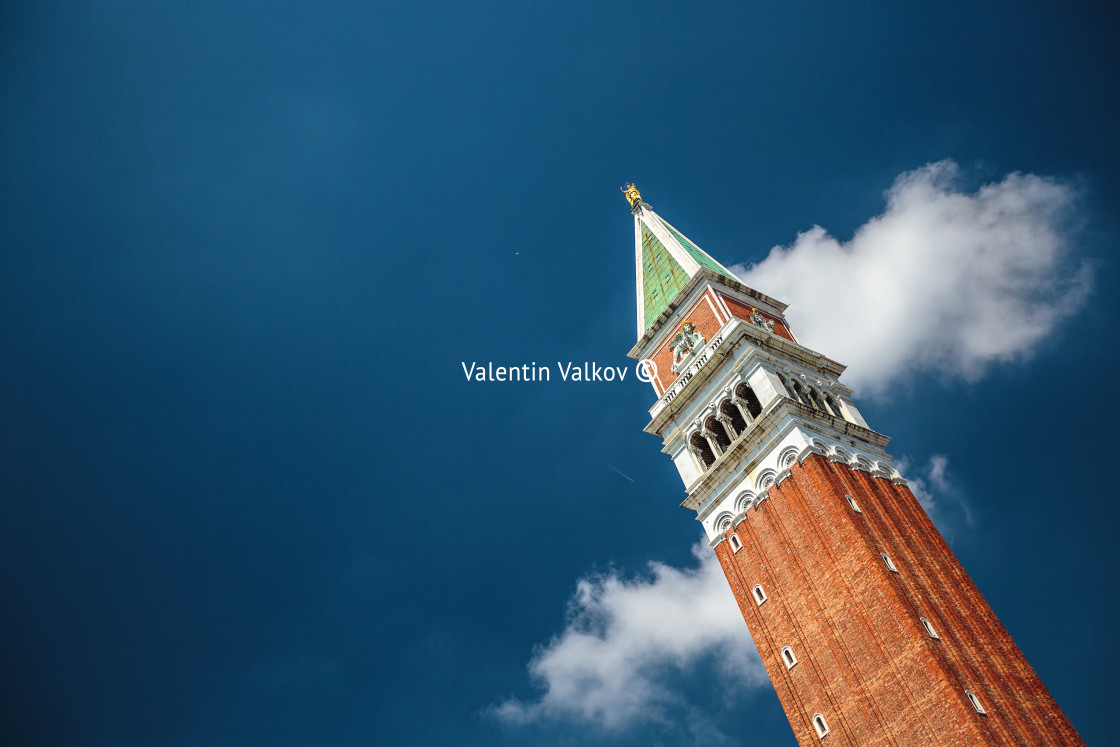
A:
(936, 492)
(916, 484)
(938, 471)
(625, 641)
(942, 281)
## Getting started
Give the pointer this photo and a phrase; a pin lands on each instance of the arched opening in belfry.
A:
(789, 387)
(833, 406)
(798, 392)
(719, 433)
(703, 451)
(753, 406)
(732, 415)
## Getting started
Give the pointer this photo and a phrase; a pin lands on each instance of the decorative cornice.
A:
(734, 335)
(739, 509)
(703, 275)
(764, 427)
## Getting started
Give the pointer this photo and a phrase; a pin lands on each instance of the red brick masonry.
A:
(864, 660)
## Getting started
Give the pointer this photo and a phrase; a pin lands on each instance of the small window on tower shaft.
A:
(820, 724)
(975, 702)
(736, 545)
(929, 628)
(853, 504)
(788, 657)
(759, 595)
(887, 560)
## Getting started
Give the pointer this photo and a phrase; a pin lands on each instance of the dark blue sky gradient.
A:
(248, 497)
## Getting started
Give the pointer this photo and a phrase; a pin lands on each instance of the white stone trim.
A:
(722, 303)
(639, 272)
(654, 222)
(759, 595)
(888, 562)
(820, 725)
(765, 479)
(712, 306)
(852, 413)
(744, 502)
(723, 522)
(756, 366)
(745, 492)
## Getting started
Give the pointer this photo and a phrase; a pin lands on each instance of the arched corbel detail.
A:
(765, 479)
(744, 502)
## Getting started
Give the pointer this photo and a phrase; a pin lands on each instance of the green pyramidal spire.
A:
(666, 260)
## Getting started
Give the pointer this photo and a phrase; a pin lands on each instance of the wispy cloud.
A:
(626, 640)
(935, 490)
(943, 281)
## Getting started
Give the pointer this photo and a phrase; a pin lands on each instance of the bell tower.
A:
(871, 631)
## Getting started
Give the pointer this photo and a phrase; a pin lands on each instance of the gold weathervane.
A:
(632, 194)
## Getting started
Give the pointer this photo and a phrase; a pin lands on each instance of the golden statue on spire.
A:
(632, 194)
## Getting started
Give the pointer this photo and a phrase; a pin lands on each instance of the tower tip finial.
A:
(632, 195)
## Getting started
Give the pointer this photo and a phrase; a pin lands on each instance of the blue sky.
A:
(248, 496)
